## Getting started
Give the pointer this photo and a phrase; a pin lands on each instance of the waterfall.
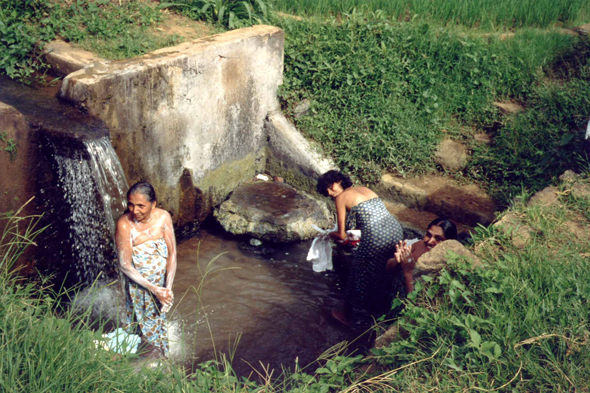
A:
(87, 198)
(110, 180)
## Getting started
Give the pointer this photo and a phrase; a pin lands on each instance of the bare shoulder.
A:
(123, 221)
(162, 215)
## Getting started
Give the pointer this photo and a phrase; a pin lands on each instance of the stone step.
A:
(440, 196)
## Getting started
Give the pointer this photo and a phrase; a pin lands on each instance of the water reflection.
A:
(271, 300)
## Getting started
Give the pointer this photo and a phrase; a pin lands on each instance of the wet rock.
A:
(256, 249)
(302, 109)
(436, 259)
(272, 211)
(509, 108)
(451, 155)
(546, 197)
(520, 232)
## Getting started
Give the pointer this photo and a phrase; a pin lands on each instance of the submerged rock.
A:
(272, 211)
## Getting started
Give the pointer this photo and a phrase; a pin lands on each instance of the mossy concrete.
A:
(192, 113)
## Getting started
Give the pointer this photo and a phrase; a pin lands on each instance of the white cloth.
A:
(119, 341)
(320, 252)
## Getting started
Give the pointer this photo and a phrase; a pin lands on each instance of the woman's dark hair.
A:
(449, 229)
(327, 179)
(144, 188)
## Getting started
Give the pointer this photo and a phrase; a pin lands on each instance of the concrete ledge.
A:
(65, 58)
(187, 110)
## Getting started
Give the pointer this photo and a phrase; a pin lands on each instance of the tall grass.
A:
(520, 324)
(489, 13)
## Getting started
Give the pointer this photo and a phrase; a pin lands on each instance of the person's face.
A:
(139, 207)
(434, 235)
(335, 189)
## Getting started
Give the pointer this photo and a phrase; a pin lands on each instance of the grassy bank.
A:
(471, 13)
(383, 94)
(519, 324)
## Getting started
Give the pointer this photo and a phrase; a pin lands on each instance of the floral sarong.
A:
(143, 308)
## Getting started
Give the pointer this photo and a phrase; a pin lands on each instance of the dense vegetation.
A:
(384, 94)
(472, 13)
(113, 30)
(385, 88)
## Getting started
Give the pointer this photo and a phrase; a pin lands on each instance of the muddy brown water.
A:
(266, 302)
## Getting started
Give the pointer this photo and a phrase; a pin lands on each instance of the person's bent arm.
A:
(340, 234)
(171, 244)
(125, 252)
(403, 256)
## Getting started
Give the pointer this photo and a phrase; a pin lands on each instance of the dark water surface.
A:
(274, 303)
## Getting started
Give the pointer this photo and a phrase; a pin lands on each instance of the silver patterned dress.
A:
(367, 290)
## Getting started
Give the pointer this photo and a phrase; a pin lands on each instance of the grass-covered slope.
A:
(385, 93)
(472, 13)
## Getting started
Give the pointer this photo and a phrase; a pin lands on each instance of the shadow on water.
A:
(265, 299)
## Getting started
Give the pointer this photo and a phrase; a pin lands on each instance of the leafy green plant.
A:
(383, 94)
(10, 147)
(229, 13)
(111, 29)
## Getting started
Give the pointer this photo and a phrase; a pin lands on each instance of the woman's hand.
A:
(165, 296)
(403, 252)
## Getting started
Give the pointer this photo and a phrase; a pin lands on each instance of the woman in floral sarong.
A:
(146, 247)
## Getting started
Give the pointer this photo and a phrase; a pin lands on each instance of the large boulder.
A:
(436, 259)
(272, 211)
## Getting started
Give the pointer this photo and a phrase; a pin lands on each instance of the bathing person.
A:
(407, 253)
(360, 208)
(146, 248)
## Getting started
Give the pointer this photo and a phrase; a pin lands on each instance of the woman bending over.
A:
(360, 208)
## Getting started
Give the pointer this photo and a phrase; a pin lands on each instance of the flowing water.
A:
(79, 183)
(262, 306)
(91, 188)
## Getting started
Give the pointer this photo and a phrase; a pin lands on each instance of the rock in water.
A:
(272, 211)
